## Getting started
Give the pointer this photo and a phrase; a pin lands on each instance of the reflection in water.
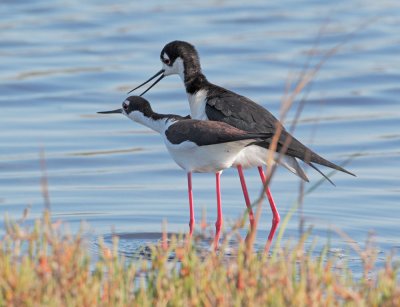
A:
(105, 152)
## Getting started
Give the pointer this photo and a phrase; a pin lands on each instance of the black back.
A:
(243, 113)
(204, 133)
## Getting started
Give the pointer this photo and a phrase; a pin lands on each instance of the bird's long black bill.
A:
(110, 112)
(156, 75)
(155, 82)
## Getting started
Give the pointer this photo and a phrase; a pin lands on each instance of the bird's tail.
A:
(304, 153)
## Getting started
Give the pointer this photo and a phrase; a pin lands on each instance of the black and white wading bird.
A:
(195, 145)
(208, 101)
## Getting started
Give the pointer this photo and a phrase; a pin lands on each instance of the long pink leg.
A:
(191, 222)
(276, 218)
(218, 223)
(246, 196)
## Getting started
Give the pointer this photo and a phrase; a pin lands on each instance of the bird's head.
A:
(133, 107)
(180, 58)
(177, 57)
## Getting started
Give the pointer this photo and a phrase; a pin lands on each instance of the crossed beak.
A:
(110, 112)
(161, 72)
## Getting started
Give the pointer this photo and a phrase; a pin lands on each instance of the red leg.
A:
(276, 218)
(246, 196)
(218, 223)
(191, 222)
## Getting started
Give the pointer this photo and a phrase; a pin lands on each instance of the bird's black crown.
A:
(137, 103)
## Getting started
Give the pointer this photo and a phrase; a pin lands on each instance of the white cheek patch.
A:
(177, 68)
(135, 116)
(126, 102)
(165, 56)
(166, 69)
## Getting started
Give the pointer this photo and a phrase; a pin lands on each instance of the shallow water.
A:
(61, 62)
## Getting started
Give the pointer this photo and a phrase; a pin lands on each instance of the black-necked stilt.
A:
(195, 145)
(211, 102)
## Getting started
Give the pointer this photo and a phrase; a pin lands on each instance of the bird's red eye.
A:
(167, 61)
(125, 106)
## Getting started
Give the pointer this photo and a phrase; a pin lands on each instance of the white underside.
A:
(253, 156)
(205, 159)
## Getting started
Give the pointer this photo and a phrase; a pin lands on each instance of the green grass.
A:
(43, 265)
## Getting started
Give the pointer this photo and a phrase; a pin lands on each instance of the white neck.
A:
(158, 125)
(197, 103)
(180, 68)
